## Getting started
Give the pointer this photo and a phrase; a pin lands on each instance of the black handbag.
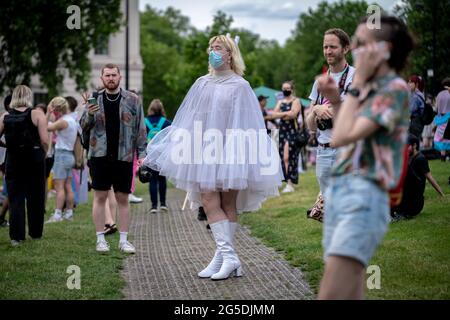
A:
(144, 174)
(301, 135)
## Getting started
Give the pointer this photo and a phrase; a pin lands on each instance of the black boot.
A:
(201, 214)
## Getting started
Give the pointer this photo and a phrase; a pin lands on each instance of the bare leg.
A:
(60, 193)
(110, 208)
(5, 207)
(286, 158)
(228, 204)
(98, 209)
(212, 205)
(69, 193)
(343, 279)
(124, 211)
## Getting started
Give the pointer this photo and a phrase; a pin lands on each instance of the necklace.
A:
(111, 100)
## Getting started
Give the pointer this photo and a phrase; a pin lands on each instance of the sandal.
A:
(110, 229)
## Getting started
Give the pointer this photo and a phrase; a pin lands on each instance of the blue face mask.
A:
(215, 59)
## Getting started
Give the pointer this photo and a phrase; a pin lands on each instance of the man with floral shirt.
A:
(117, 132)
(370, 130)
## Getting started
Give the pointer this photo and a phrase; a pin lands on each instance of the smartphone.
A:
(92, 100)
(382, 45)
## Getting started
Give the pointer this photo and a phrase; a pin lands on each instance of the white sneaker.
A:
(127, 247)
(15, 243)
(68, 216)
(102, 246)
(153, 211)
(164, 208)
(54, 218)
(133, 199)
(288, 189)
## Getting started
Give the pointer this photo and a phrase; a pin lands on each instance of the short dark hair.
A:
(111, 66)
(73, 103)
(413, 140)
(395, 31)
(446, 82)
(343, 37)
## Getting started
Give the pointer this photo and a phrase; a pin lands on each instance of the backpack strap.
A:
(148, 124)
(160, 123)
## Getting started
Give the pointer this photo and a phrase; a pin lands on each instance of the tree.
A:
(304, 52)
(163, 50)
(35, 40)
(428, 21)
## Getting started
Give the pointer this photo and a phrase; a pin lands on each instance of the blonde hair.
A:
(292, 85)
(21, 97)
(237, 62)
(60, 104)
(156, 108)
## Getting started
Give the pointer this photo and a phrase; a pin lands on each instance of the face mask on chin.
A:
(215, 59)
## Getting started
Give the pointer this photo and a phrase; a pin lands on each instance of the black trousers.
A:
(157, 181)
(411, 205)
(25, 181)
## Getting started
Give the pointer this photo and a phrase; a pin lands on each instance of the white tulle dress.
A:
(211, 144)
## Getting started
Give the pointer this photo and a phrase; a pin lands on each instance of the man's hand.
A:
(323, 111)
(92, 109)
(328, 88)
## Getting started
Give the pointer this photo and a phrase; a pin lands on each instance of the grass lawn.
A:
(38, 269)
(414, 257)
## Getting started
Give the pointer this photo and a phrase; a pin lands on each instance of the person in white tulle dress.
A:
(218, 150)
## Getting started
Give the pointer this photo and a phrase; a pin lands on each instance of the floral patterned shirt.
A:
(132, 136)
(379, 157)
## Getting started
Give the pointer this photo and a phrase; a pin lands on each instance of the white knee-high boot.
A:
(213, 266)
(231, 264)
(216, 262)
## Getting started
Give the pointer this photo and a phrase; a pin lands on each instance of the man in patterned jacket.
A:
(117, 132)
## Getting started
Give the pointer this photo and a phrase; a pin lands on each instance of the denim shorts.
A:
(64, 162)
(356, 218)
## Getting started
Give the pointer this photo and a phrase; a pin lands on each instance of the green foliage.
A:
(174, 52)
(36, 40)
(425, 18)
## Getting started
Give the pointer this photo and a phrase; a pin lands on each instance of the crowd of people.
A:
(362, 119)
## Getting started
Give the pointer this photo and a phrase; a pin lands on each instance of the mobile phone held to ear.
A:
(382, 45)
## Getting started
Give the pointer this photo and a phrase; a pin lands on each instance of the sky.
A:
(271, 19)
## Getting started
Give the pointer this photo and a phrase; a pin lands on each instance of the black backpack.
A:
(428, 112)
(20, 132)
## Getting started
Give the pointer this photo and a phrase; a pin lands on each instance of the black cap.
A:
(261, 97)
